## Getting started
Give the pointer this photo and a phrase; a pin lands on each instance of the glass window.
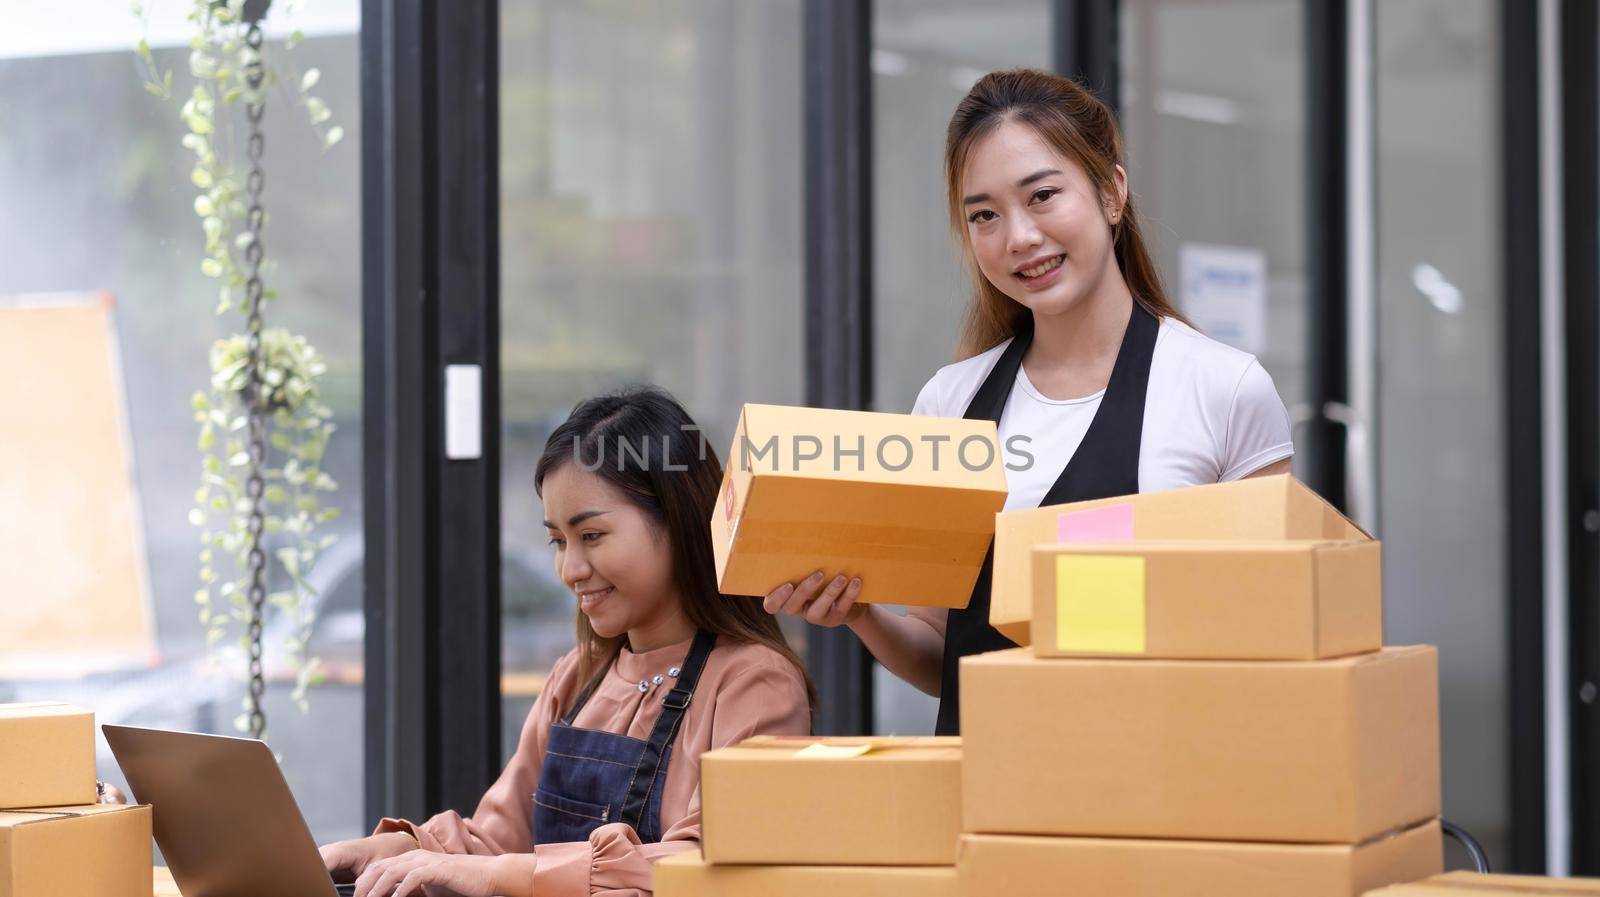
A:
(98, 200)
(925, 56)
(1213, 112)
(652, 231)
(1441, 397)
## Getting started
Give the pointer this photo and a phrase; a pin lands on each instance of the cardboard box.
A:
(1300, 751)
(689, 875)
(832, 801)
(1471, 884)
(92, 851)
(46, 755)
(1256, 509)
(1219, 600)
(891, 498)
(1035, 866)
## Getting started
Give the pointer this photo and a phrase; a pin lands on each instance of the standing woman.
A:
(606, 777)
(1098, 384)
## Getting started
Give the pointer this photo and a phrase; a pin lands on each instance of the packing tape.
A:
(1100, 603)
(821, 751)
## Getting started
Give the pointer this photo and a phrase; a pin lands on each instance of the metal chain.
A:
(255, 485)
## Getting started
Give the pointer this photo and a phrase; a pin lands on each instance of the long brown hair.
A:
(1074, 122)
(642, 442)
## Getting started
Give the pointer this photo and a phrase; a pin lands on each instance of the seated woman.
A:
(606, 777)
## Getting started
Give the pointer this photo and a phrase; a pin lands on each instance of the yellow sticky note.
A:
(1100, 603)
(820, 751)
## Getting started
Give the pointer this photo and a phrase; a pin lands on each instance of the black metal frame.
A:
(1327, 43)
(1580, 180)
(1085, 44)
(430, 297)
(1524, 429)
(838, 288)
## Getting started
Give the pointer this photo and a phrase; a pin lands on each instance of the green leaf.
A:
(204, 207)
(318, 110)
(142, 48)
(275, 495)
(310, 79)
(334, 135)
(197, 517)
(211, 268)
(202, 596)
(155, 89)
(239, 460)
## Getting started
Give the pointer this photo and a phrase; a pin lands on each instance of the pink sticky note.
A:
(1112, 523)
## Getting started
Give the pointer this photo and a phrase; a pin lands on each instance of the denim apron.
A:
(1106, 464)
(590, 778)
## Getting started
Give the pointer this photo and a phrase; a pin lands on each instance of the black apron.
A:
(1106, 464)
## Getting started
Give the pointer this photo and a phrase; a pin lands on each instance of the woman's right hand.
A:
(823, 602)
(353, 856)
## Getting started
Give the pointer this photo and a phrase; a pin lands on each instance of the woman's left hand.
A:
(425, 873)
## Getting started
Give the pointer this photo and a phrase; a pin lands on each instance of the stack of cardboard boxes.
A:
(1197, 717)
(798, 817)
(54, 839)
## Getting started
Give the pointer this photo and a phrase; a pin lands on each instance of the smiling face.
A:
(613, 556)
(1039, 229)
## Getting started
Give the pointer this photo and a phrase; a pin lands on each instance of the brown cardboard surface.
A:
(46, 755)
(90, 851)
(75, 593)
(1254, 509)
(1285, 600)
(898, 804)
(1472, 884)
(917, 535)
(1039, 866)
(689, 875)
(1299, 751)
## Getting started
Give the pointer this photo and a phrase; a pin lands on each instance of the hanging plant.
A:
(263, 427)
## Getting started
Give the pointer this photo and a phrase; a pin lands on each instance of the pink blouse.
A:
(744, 690)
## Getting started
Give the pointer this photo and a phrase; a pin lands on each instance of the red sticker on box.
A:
(1112, 523)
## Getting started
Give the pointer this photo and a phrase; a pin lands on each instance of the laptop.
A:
(223, 815)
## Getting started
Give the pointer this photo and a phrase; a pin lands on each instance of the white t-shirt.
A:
(1211, 415)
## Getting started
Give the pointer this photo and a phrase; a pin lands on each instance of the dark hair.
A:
(1074, 122)
(621, 437)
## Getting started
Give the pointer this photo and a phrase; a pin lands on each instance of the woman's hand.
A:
(352, 857)
(808, 599)
(429, 874)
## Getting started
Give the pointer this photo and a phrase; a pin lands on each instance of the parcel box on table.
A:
(1255, 510)
(46, 755)
(1300, 751)
(1472, 884)
(89, 851)
(1290, 600)
(689, 875)
(1043, 866)
(840, 801)
(905, 502)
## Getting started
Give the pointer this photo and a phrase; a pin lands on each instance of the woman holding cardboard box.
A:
(1099, 386)
(606, 776)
